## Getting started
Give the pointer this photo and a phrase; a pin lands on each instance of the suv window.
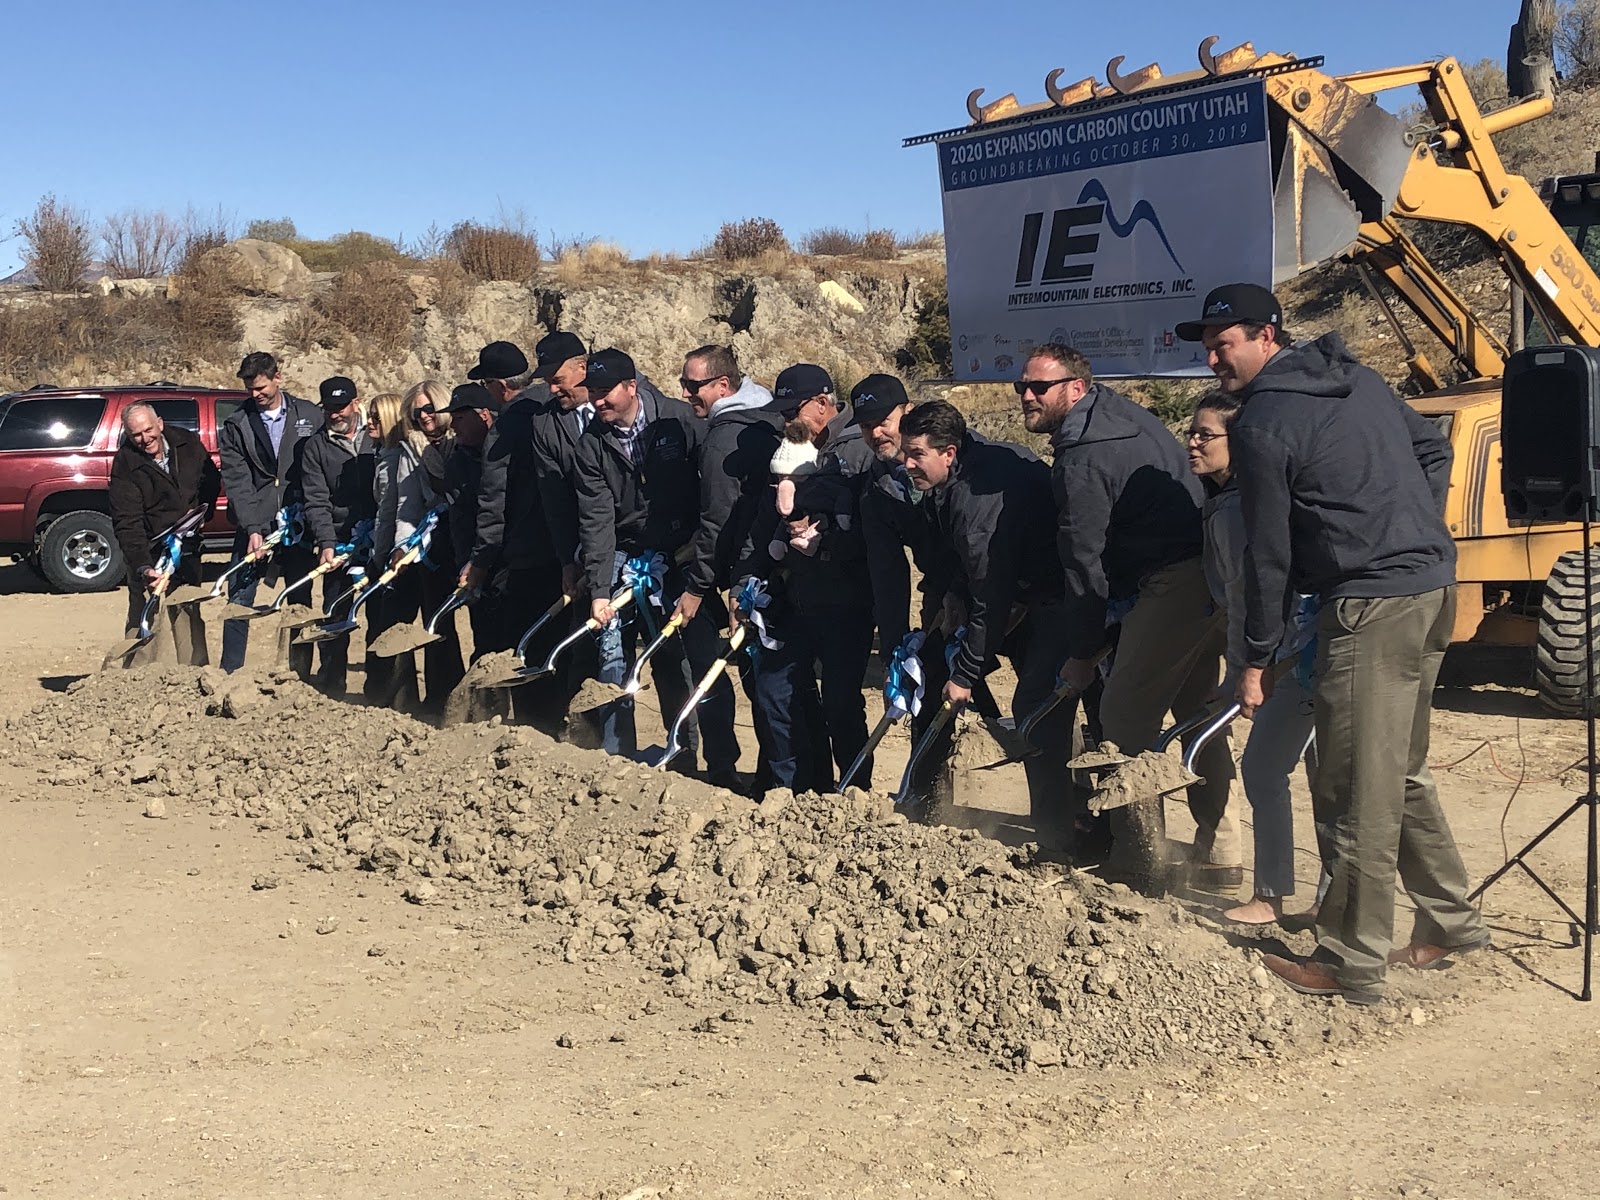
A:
(50, 423)
(225, 409)
(185, 414)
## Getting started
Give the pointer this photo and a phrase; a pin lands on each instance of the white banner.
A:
(1104, 230)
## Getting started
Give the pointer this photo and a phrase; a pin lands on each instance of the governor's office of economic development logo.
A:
(1058, 268)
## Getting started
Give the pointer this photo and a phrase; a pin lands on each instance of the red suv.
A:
(56, 446)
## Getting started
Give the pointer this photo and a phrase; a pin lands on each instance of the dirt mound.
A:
(836, 904)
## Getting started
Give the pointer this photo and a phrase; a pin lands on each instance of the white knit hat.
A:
(794, 458)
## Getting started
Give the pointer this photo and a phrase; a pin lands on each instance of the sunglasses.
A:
(693, 386)
(424, 410)
(1037, 386)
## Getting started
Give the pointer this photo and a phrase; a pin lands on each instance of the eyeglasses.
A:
(424, 410)
(1038, 386)
(1203, 436)
(693, 386)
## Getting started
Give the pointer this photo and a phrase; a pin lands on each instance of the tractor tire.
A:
(1559, 659)
(79, 553)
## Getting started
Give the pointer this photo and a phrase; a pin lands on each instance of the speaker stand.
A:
(1590, 801)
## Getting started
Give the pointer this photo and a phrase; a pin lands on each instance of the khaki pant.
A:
(1169, 659)
(1377, 660)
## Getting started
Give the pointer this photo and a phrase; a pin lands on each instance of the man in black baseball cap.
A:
(555, 351)
(804, 388)
(831, 596)
(1241, 325)
(499, 360)
(338, 394)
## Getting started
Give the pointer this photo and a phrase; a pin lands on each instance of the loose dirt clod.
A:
(1146, 776)
(833, 904)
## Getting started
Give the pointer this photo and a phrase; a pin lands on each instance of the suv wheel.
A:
(79, 553)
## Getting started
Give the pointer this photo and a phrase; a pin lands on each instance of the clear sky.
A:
(645, 124)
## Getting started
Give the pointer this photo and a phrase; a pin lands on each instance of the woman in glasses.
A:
(410, 484)
(1281, 733)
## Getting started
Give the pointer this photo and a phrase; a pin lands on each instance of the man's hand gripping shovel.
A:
(171, 543)
(290, 529)
(410, 551)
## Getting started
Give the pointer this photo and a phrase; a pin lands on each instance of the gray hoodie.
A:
(741, 435)
(1342, 487)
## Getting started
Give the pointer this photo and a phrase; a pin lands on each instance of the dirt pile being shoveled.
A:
(829, 903)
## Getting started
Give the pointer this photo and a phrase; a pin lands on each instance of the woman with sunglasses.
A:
(1281, 733)
(410, 483)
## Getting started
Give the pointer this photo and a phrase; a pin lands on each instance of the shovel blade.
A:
(124, 648)
(190, 593)
(401, 639)
(1147, 776)
(244, 612)
(324, 633)
(514, 679)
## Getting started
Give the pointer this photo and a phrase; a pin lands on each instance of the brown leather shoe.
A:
(1422, 957)
(1313, 979)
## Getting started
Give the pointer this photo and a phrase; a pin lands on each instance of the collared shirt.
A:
(275, 422)
(163, 460)
(629, 440)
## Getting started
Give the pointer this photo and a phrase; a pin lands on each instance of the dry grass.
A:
(101, 337)
(590, 260)
(832, 240)
(345, 252)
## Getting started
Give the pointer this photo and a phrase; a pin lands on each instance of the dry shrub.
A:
(272, 229)
(345, 252)
(926, 353)
(140, 244)
(878, 243)
(373, 302)
(452, 286)
(100, 335)
(750, 238)
(201, 233)
(494, 251)
(206, 308)
(56, 244)
(305, 328)
(831, 239)
(921, 239)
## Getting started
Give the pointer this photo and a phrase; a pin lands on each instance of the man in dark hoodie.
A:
(741, 434)
(638, 489)
(334, 469)
(828, 593)
(992, 518)
(257, 445)
(159, 476)
(1130, 540)
(1342, 488)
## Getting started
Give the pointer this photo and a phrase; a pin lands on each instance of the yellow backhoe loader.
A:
(1347, 176)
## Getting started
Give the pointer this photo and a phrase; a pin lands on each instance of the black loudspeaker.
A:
(1550, 434)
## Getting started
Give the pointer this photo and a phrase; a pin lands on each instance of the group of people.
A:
(1292, 550)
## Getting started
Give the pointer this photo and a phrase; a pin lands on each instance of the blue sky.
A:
(645, 124)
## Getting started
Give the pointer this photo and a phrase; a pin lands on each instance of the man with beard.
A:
(741, 434)
(1129, 536)
(159, 476)
(257, 445)
(335, 468)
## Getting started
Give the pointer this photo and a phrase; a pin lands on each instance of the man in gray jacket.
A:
(1342, 490)
(257, 444)
(335, 471)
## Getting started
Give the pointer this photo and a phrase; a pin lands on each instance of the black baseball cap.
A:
(797, 384)
(499, 360)
(555, 349)
(470, 396)
(607, 368)
(337, 392)
(1233, 304)
(874, 398)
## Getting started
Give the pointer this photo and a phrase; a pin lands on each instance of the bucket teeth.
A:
(1144, 77)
